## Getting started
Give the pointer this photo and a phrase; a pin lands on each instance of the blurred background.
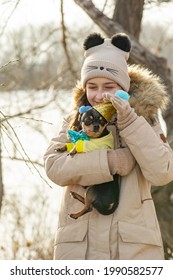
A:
(40, 59)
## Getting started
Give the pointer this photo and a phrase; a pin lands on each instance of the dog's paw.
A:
(69, 154)
(73, 216)
(72, 152)
(71, 194)
(61, 149)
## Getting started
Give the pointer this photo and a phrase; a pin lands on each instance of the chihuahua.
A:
(103, 197)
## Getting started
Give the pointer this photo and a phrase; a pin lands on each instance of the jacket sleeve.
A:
(83, 169)
(151, 150)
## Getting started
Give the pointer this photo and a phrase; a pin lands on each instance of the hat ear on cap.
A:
(83, 109)
(121, 41)
(94, 39)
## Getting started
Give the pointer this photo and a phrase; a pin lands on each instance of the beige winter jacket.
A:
(132, 231)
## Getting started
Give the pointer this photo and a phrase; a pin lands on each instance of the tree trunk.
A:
(163, 200)
(129, 15)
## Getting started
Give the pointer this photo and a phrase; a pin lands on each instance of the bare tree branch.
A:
(24, 152)
(5, 65)
(10, 15)
(26, 160)
(29, 111)
(64, 40)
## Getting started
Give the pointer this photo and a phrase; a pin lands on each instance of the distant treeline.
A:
(34, 58)
(38, 57)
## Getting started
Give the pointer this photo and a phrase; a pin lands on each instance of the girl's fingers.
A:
(107, 96)
(117, 105)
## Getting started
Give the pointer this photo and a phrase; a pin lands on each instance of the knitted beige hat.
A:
(107, 58)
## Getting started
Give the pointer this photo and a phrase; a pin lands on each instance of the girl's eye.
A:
(109, 87)
(92, 88)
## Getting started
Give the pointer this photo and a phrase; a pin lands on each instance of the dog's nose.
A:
(96, 127)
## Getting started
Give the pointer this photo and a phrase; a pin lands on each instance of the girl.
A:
(142, 157)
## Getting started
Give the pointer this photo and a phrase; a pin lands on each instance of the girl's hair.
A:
(80, 99)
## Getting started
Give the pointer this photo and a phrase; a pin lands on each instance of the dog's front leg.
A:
(72, 152)
(61, 149)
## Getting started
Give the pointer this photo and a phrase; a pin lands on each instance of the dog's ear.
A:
(81, 110)
(121, 41)
(79, 119)
(94, 39)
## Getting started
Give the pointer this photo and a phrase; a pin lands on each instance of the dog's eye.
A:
(88, 121)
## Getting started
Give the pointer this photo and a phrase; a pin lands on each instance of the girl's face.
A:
(97, 86)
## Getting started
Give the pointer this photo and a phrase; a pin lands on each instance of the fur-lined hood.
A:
(147, 93)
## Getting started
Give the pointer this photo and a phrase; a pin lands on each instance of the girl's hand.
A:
(125, 113)
(121, 161)
(119, 104)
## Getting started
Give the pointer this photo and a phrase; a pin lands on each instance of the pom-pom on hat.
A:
(107, 58)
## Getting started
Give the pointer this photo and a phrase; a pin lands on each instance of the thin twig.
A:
(36, 120)
(11, 61)
(28, 158)
(8, 18)
(30, 110)
(4, 129)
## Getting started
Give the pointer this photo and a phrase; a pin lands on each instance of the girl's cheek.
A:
(90, 96)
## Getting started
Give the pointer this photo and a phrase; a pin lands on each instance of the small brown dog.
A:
(91, 125)
(103, 197)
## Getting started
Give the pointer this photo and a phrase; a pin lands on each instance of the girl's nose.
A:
(99, 95)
